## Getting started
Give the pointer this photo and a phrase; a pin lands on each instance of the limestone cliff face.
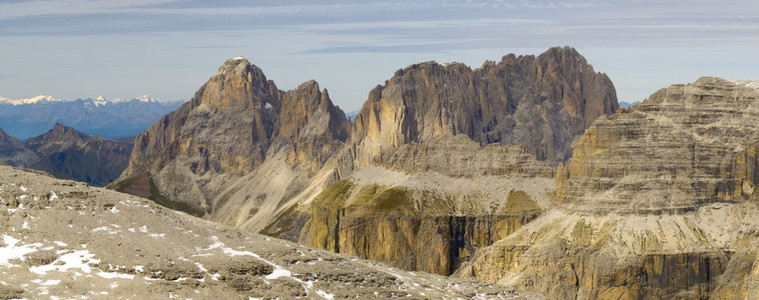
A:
(504, 123)
(231, 126)
(70, 154)
(428, 207)
(542, 103)
(13, 151)
(659, 200)
(309, 130)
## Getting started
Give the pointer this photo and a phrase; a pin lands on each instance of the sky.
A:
(168, 48)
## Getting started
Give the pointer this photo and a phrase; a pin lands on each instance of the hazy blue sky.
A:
(169, 48)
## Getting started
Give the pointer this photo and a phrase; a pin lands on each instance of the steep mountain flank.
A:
(69, 154)
(60, 239)
(13, 151)
(431, 220)
(659, 201)
(542, 103)
(198, 157)
(470, 152)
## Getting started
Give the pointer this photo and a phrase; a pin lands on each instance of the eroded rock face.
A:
(62, 239)
(234, 123)
(542, 103)
(13, 151)
(658, 200)
(432, 220)
(504, 123)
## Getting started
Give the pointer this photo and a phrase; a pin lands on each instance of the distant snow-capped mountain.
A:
(38, 99)
(112, 118)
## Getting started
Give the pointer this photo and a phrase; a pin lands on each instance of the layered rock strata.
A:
(659, 201)
(464, 198)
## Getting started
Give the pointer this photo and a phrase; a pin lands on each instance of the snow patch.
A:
(79, 259)
(53, 196)
(754, 84)
(112, 275)
(325, 295)
(11, 251)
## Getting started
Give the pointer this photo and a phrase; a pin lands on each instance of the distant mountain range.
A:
(111, 118)
(627, 104)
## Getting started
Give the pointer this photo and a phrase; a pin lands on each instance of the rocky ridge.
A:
(69, 154)
(61, 239)
(542, 103)
(658, 201)
(13, 151)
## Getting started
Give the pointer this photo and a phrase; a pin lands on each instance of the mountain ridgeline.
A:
(68, 154)
(418, 164)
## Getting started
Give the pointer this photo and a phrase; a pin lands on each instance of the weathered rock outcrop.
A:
(450, 134)
(13, 151)
(659, 201)
(61, 239)
(542, 103)
(429, 206)
(69, 154)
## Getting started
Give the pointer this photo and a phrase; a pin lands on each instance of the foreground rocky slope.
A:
(659, 201)
(69, 154)
(65, 240)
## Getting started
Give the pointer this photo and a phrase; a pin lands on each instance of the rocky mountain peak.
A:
(60, 134)
(239, 84)
(556, 95)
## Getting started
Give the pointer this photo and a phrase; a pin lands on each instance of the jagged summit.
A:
(228, 129)
(541, 102)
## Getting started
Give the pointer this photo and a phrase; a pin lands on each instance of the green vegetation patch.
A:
(335, 195)
(394, 199)
(518, 202)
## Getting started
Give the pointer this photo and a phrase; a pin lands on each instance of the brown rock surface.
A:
(60, 239)
(659, 202)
